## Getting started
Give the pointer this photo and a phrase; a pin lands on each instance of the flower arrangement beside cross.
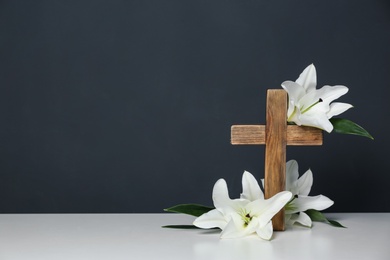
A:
(298, 121)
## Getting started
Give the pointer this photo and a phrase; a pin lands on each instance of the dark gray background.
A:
(126, 106)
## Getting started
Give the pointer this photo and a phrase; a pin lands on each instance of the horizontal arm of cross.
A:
(255, 135)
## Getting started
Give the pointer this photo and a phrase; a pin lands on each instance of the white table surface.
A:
(140, 236)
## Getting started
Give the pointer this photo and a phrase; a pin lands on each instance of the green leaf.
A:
(190, 209)
(181, 226)
(345, 126)
(186, 227)
(315, 215)
(335, 223)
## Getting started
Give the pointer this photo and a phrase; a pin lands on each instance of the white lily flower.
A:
(300, 188)
(250, 214)
(310, 106)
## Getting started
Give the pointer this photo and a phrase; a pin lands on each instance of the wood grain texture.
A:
(255, 135)
(275, 149)
(303, 135)
(247, 134)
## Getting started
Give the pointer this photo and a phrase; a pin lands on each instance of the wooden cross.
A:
(275, 135)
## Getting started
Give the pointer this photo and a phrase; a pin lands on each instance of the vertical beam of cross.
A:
(275, 149)
(275, 135)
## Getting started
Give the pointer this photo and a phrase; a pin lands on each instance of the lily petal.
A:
(337, 108)
(327, 94)
(221, 194)
(302, 218)
(266, 231)
(295, 93)
(318, 120)
(295, 116)
(292, 175)
(250, 188)
(211, 219)
(294, 90)
(331, 93)
(252, 226)
(222, 201)
(264, 210)
(287, 219)
(304, 183)
(303, 203)
(235, 228)
(308, 78)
